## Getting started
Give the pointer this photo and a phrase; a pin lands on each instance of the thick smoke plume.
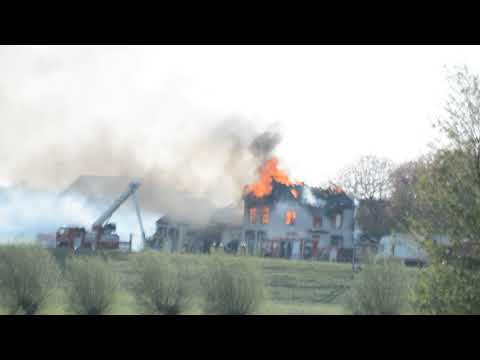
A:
(263, 145)
(72, 112)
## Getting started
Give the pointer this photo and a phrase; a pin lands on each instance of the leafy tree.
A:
(404, 199)
(449, 193)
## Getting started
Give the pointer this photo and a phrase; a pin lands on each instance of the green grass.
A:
(271, 308)
(293, 287)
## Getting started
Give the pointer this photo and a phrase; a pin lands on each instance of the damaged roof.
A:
(332, 199)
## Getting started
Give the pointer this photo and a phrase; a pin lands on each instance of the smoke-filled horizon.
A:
(69, 112)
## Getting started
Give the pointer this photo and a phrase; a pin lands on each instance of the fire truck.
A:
(103, 233)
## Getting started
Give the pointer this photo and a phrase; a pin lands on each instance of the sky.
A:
(332, 104)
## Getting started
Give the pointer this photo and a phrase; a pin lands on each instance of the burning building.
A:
(289, 219)
(280, 218)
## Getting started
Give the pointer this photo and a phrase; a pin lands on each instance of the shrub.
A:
(61, 255)
(161, 285)
(92, 285)
(381, 288)
(232, 286)
(448, 288)
(29, 275)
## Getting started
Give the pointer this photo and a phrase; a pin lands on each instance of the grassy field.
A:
(293, 287)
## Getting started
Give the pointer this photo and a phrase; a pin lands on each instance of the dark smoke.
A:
(263, 145)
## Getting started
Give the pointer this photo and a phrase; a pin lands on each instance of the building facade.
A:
(299, 222)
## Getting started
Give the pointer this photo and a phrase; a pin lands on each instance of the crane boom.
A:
(132, 187)
(137, 208)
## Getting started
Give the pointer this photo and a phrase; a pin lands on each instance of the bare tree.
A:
(368, 179)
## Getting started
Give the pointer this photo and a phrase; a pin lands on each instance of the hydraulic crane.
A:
(139, 216)
(103, 234)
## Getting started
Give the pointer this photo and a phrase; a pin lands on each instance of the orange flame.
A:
(291, 216)
(266, 215)
(253, 215)
(270, 171)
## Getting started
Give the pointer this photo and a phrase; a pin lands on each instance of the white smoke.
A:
(24, 213)
(127, 223)
(309, 198)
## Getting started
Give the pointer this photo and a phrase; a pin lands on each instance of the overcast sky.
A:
(331, 103)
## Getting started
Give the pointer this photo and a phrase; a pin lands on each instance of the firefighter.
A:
(243, 248)
(212, 248)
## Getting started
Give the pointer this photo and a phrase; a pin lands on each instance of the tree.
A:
(374, 218)
(449, 191)
(404, 199)
(450, 186)
(447, 198)
(369, 180)
(462, 125)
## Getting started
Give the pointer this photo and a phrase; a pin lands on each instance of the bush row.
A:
(30, 275)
